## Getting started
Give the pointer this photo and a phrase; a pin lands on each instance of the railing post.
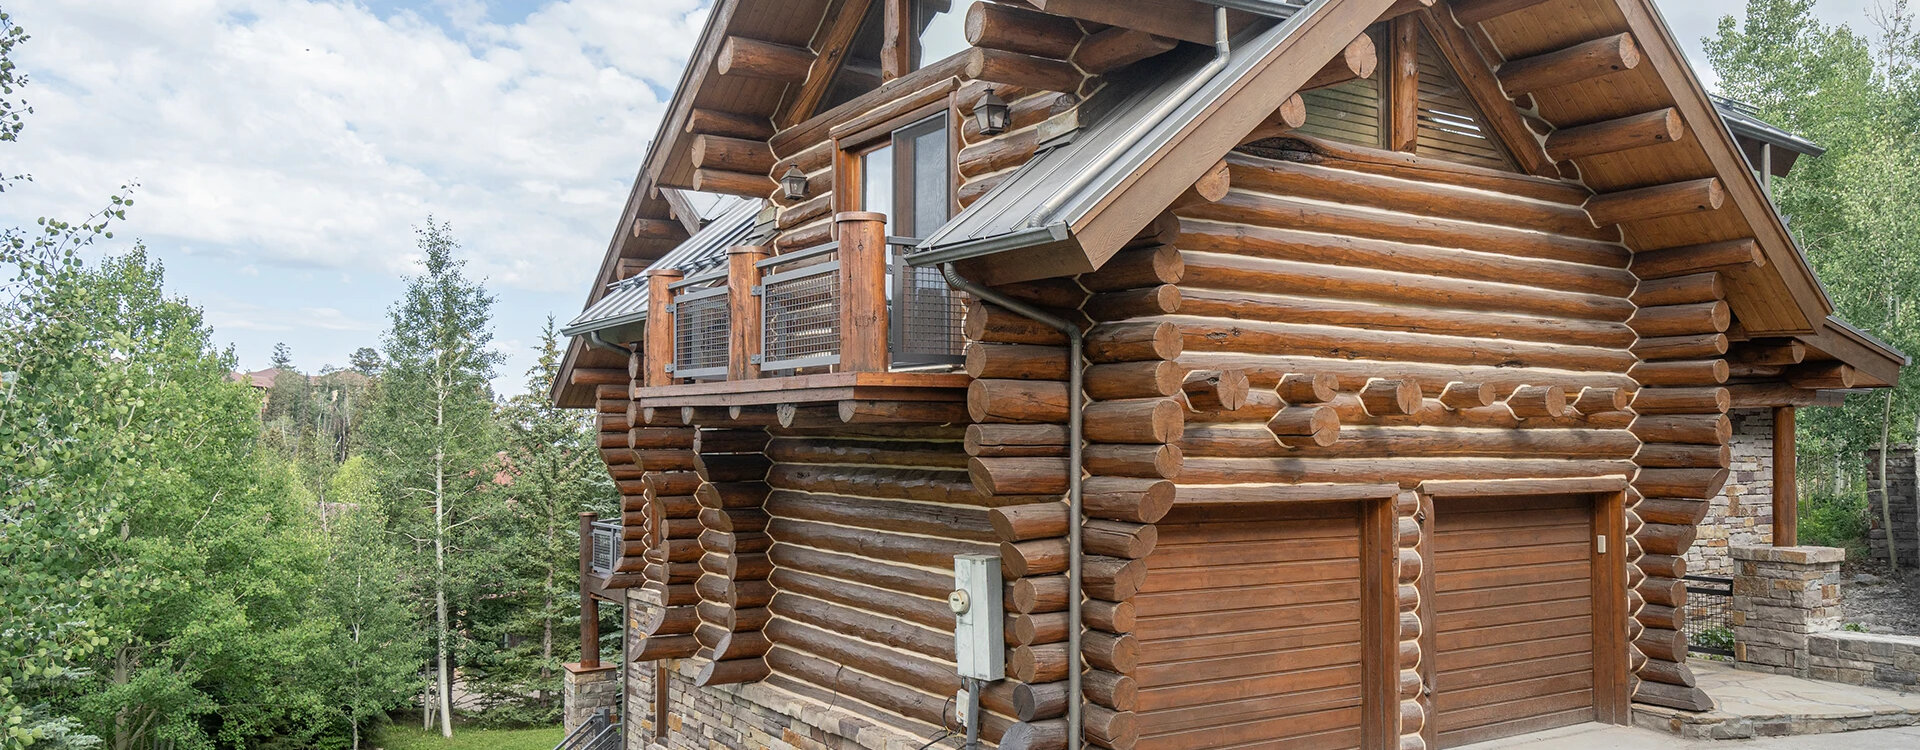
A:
(743, 307)
(589, 607)
(658, 347)
(863, 291)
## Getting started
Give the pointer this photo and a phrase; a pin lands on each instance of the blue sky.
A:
(286, 148)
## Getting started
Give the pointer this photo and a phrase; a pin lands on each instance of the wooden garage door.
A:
(1512, 616)
(1250, 632)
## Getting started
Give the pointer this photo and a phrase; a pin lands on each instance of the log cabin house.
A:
(1320, 373)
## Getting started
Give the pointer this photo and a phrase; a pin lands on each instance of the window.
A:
(1448, 124)
(907, 176)
(929, 31)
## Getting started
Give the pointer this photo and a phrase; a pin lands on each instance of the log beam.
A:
(1357, 60)
(1658, 201)
(753, 58)
(1612, 136)
(1575, 64)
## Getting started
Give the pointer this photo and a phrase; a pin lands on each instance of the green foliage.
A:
(1835, 521)
(13, 111)
(405, 736)
(431, 437)
(1856, 209)
(373, 655)
(530, 626)
(1715, 637)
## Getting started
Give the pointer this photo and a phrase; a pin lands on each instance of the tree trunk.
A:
(445, 670)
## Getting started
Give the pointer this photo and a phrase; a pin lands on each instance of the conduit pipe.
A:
(1222, 50)
(1076, 461)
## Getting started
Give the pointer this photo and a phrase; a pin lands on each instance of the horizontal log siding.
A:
(864, 532)
(1428, 282)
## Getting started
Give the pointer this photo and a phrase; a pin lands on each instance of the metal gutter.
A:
(1024, 238)
(1076, 460)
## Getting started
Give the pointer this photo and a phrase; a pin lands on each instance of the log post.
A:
(743, 306)
(863, 291)
(657, 349)
(1786, 493)
(589, 606)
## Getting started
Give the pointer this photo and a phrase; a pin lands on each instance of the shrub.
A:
(1835, 520)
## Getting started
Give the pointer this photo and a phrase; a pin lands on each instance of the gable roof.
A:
(1144, 144)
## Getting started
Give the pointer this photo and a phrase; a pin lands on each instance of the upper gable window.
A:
(906, 175)
(1448, 124)
(929, 31)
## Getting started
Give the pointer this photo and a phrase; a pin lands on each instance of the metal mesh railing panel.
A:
(606, 544)
(927, 317)
(801, 315)
(1709, 626)
(700, 330)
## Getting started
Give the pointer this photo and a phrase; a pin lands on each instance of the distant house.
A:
(1318, 373)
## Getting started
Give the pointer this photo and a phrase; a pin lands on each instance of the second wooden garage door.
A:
(1512, 616)
(1250, 631)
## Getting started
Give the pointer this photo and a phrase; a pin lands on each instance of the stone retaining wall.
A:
(1887, 661)
(1901, 475)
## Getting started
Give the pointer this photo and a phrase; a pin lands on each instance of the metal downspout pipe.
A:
(1222, 50)
(1075, 464)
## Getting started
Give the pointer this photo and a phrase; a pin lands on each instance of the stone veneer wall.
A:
(751, 716)
(1900, 474)
(1742, 515)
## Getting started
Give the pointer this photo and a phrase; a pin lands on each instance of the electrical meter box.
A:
(978, 619)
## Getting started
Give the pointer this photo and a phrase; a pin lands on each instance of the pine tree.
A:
(554, 472)
(431, 432)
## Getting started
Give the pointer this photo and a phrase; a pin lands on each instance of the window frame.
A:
(850, 151)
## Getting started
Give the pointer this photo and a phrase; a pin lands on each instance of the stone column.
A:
(585, 690)
(1906, 528)
(1781, 595)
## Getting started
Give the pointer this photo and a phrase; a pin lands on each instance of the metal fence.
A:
(1708, 626)
(800, 309)
(606, 547)
(700, 326)
(926, 320)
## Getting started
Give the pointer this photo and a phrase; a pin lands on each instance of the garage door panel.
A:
(1250, 642)
(1256, 619)
(1526, 592)
(1195, 694)
(1333, 729)
(1512, 616)
(1507, 557)
(1556, 533)
(1481, 617)
(1250, 631)
(1498, 577)
(1502, 671)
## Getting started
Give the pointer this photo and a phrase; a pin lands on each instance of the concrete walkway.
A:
(1755, 704)
(1603, 737)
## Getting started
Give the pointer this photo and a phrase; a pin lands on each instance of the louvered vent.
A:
(1451, 127)
(1349, 112)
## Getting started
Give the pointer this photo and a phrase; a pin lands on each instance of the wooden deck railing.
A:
(850, 305)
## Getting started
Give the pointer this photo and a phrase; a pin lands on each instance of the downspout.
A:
(1075, 462)
(593, 337)
(1222, 50)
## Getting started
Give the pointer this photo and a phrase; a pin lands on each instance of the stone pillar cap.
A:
(1796, 555)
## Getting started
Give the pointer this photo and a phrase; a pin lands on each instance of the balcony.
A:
(845, 320)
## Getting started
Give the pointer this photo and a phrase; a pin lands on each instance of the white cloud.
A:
(230, 315)
(314, 134)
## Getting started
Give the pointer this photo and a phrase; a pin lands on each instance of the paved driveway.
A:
(1601, 737)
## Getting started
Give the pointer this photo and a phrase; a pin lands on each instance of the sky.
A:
(285, 150)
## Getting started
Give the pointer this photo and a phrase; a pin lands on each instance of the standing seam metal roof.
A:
(626, 300)
(1004, 219)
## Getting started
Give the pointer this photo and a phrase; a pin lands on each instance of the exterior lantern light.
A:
(794, 183)
(992, 114)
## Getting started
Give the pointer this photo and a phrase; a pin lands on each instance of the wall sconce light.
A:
(992, 114)
(793, 184)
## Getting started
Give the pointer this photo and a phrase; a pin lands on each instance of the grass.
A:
(407, 736)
